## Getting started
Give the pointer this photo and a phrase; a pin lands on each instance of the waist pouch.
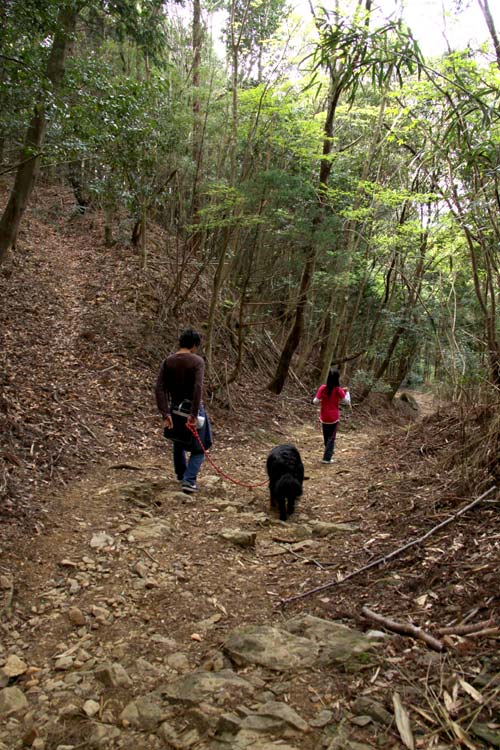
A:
(184, 410)
(180, 434)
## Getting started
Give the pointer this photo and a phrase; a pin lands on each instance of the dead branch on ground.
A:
(391, 555)
(404, 628)
(466, 629)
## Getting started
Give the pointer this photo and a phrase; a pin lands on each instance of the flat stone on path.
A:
(14, 666)
(12, 701)
(145, 712)
(284, 712)
(325, 528)
(112, 675)
(100, 539)
(292, 533)
(148, 529)
(270, 647)
(201, 686)
(338, 643)
(251, 740)
(140, 491)
(239, 537)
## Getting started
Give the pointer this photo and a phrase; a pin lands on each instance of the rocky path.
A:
(147, 618)
(133, 616)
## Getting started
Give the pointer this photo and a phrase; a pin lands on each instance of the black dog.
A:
(286, 474)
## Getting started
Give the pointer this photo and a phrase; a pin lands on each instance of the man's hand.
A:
(191, 421)
(167, 422)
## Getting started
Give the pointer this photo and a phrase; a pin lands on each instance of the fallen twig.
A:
(143, 549)
(134, 467)
(466, 629)
(403, 628)
(302, 557)
(486, 631)
(391, 555)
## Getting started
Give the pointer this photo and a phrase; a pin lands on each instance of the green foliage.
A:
(250, 26)
(356, 52)
(414, 164)
(130, 130)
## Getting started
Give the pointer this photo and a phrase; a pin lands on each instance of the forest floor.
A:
(132, 615)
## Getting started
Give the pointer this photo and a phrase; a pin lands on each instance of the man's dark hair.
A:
(189, 338)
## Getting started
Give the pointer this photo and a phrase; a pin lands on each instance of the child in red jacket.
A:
(330, 396)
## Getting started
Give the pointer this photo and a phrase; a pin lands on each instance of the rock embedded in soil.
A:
(199, 686)
(325, 528)
(14, 666)
(101, 735)
(144, 712)
(338, 643)
(270, 647)
(368, 707)
(112, 675)
(291, 533)
(284, 713)
(91, 708)
(239, 537)
(149, 529)
(178, 661)
(76, 616)
(322, 719)
(12, 701)
(248, 739)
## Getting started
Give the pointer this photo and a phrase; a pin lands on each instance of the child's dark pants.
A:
(329, 435)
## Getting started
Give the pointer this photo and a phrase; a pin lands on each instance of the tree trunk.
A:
(227, 241)
(144, 249)
(293, 339)
(484, 5)
(404, 364)
(108, 227)
(76, 178)
(197, 145)
(219, 276)
(35, 136)
(136, 233)
(384, 364)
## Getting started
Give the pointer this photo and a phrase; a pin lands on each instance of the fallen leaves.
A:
(403, 722)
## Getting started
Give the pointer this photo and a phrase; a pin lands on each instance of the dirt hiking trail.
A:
(135, 616)
(147, 618)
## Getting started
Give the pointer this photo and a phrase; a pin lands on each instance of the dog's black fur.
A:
(286, 474)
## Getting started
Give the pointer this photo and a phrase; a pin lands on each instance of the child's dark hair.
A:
(189, 338)
(333, 380)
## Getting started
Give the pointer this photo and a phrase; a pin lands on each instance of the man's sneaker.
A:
(188, 487)
(327, 461)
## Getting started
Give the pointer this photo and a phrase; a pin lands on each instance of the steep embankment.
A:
(116, 567)
(74, 388)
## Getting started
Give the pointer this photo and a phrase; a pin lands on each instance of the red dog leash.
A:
(194, 431)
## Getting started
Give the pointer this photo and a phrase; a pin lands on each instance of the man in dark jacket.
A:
(181, 379)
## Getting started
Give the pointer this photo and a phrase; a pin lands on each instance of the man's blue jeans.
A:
(184, 469)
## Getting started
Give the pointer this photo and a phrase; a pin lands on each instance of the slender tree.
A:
(350, 52)
(35, 135)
